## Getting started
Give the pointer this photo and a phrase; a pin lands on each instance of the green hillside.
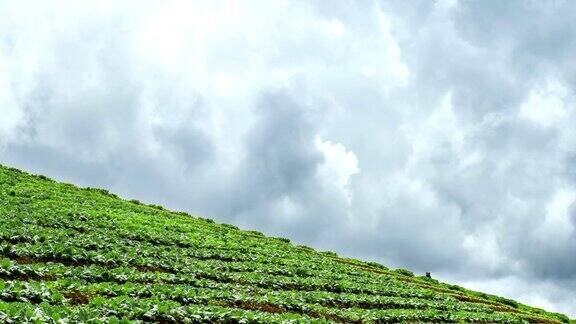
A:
(84, 255)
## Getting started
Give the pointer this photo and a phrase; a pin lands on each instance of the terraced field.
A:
(84, 255)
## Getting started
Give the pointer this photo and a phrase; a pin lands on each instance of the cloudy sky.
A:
(431, 135)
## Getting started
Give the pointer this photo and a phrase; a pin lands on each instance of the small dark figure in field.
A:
(428, 275)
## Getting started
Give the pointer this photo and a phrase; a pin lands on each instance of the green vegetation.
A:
(84, 255)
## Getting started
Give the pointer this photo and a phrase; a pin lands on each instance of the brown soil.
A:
(77, 298)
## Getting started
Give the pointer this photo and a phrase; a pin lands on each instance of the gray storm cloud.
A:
(432, 135)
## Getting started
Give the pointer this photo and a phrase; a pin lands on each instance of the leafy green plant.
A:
(405, 272)
(72, 255)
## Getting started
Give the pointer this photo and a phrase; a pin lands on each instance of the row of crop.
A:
(147, 227)
(199, 279)
(52, 293)
(297, 283)
(125, 310)
(101, 249)
(98, 274)
(289, 300)
(88, 248)
(30, 292)
(95, 273)
(70, 198)
(94, 240)
(71, 251)
(156, 309)
(423, 315)
(343, 300)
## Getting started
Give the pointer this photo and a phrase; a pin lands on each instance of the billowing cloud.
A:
(436, 136)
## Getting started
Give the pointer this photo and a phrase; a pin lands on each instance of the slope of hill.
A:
(75, 254)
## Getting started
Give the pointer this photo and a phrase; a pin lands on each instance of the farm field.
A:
(70, 254)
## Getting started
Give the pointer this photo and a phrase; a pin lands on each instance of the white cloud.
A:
(546, 106)
(557, 223)
(339, 164)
